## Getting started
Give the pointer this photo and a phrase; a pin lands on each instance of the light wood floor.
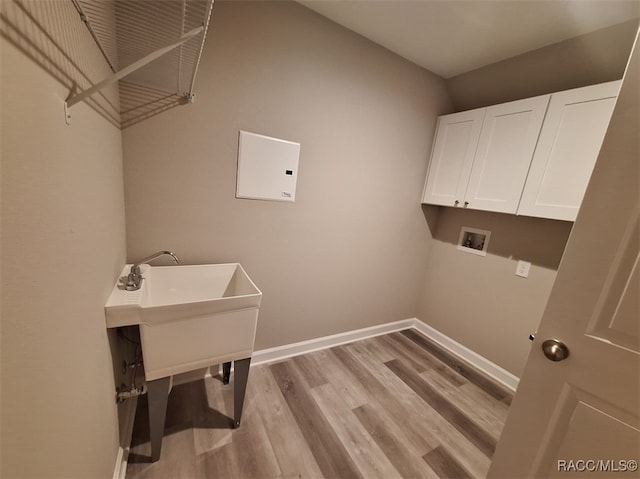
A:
(391, 406)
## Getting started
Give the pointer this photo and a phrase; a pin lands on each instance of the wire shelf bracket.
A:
(73, 99)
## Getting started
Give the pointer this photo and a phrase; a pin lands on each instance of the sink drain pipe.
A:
(122, 393)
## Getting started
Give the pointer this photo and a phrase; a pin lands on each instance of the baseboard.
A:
(303, 347)
(491, 369)
(481, 363)
(122, 457)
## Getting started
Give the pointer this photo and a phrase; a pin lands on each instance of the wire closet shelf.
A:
(152, 47)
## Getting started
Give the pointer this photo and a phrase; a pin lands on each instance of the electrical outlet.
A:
(523, 269)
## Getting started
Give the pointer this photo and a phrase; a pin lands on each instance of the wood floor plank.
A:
(388, 398)
(423, 355)
(473, 460)
(251, 445)
(332, 458)
(341, 378)
(421, 417)
(419, 364)
(365, 453)
(446, 409)
(340, 412)
(445, 465)
(482, 416)
(220, 463)
(177, 446)
(387, 434)
(373, 345)
(458, 365)
(213, 409)
(289, 445)
(250, 452)
(178, 459)
(308, 366)
(180, 409)
(499, 407)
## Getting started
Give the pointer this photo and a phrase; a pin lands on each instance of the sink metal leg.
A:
(158, 395)
(241, 374)
(226, 372)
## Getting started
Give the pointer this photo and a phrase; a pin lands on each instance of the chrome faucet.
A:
(134, 278)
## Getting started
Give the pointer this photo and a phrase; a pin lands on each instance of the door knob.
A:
(555, 350)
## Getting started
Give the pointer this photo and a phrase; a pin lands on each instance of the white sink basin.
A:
(189, 316)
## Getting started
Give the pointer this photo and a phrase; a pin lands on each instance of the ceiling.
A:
(450, 37)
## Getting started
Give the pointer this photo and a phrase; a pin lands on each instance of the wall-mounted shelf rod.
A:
(196, 64)
(72, 100)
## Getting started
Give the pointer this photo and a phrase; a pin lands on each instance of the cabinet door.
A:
(452, 156)
(567, 150)
(505, 148)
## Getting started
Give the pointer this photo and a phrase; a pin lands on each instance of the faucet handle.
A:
(134, 278)
(133, 281)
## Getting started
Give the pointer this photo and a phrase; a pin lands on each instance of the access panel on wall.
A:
(267, 167)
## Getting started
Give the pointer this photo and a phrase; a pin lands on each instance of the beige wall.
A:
(593, 58)
(478, 301)
(351, 251)
(62, 248)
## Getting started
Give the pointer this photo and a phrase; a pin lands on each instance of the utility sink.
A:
(190, 316)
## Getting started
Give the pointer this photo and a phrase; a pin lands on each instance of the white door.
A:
(505, 148)
(579, 417)
(567, 150)
(453, 150)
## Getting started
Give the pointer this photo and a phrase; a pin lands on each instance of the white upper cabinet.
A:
(452, 157)
(481, 157)
(567, 150)
(505, 148)
(530, 157)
